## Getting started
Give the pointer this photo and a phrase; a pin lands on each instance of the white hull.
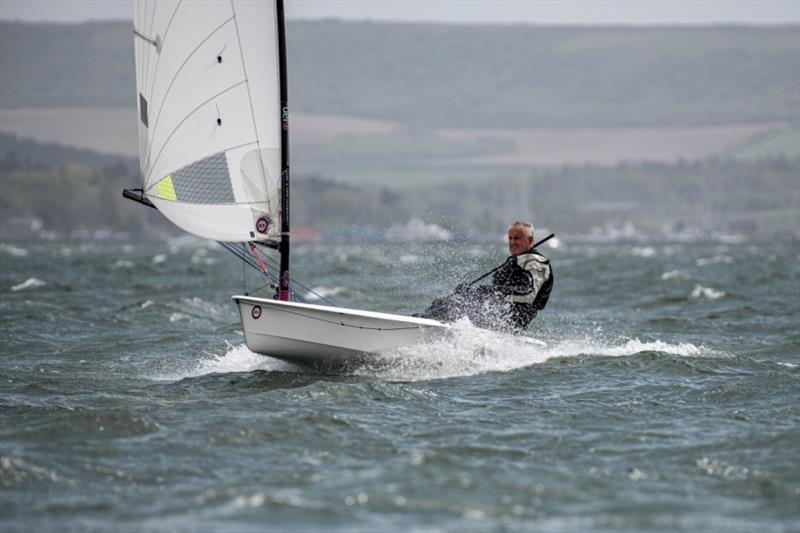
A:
(306, 333)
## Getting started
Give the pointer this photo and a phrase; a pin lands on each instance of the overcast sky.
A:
(461, 11)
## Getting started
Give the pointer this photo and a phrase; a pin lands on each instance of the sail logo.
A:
(262, 224)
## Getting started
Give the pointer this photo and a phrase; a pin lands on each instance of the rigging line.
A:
(235, 251)
(174, 78)
(274, 264)
(315, 293)
(147, 78)
(339, 323)
(271, 280)
(270, 285)
(247, 259)
(250, 98)
(192, 112)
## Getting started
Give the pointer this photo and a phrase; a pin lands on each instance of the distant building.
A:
(21, 229)
(305, 235)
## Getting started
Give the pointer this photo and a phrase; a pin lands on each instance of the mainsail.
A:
(207, 76)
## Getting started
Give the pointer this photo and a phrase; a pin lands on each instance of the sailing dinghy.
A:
(214, 159)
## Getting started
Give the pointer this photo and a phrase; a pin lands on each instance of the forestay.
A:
(209, 115)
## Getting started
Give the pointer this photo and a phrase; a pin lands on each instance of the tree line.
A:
(70, 189)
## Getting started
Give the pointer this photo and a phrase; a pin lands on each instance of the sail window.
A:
(206, 181)
(143, 110)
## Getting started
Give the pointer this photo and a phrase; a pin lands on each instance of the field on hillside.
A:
(358, 150)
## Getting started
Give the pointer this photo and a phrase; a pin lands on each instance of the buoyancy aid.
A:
(525, 282)
(519, 289)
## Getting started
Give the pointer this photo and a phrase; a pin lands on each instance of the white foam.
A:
(714, 260)
(676, 274)
(706, 292)
(13, 251)
(324, 292)
(239, 359)
(643, 251)
(554, 243)
(201, 305)
(177, 317)
(30, 283)
(235, 359)
(409, 259)
(472, 351)
(158, 259)
(122, 263)
(199, 259)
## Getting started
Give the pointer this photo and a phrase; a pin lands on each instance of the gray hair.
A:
(526, 226)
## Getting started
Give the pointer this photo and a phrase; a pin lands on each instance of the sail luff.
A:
(260, 160)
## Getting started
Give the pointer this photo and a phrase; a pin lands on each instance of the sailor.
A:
(520, 288)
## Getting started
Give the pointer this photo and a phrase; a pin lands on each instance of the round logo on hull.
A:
(256, 312)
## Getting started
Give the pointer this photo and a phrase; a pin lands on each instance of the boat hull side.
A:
(306, 333)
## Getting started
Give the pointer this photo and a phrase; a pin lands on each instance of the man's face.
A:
(518, 243)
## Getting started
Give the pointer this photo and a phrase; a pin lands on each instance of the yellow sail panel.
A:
(166, 190)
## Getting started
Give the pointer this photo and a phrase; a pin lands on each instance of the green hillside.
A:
(458, 76)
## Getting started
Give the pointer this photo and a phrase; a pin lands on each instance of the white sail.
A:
(209, 114)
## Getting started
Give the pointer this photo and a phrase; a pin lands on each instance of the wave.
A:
(28, 284)
(714, 260)
(643, 251)
(235, 359)
(324, 292)
(13, 251)
(14, 471)
(201, 305)
(178, 317)
(676, 275)
(706, 292)
(475, 351)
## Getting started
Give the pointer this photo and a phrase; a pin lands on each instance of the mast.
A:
(284, 243)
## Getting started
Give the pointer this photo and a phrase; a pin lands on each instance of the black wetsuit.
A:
(519, 289)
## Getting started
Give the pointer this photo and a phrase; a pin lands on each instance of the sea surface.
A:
(667, 397)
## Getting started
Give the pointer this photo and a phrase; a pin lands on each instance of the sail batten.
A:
(152, 163)
(175, 77)
(208, 79)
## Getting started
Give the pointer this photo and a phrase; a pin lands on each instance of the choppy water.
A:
(667, 397)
